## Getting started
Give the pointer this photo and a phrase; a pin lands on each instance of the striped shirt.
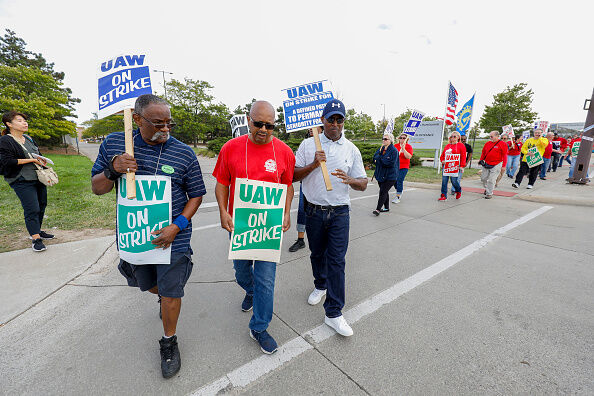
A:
(186, 179)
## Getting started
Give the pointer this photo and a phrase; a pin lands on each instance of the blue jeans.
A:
(455, 184)
(544, 167)
(257, 279)
(513, 163)
(399, 185)
(328, 236)
(301, 212)
(460, 173)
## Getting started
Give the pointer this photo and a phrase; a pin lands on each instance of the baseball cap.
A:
(335, 106)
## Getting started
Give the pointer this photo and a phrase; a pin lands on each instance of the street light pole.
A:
(383, 104)
(164, 82)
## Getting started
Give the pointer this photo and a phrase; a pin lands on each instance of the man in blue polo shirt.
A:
(157, 153)
(327, 212)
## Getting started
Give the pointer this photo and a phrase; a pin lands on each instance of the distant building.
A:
(567, 128)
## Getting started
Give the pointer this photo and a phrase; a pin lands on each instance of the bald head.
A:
(550, 135)
(262, 107)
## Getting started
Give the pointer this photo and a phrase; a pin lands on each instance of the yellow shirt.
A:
(540, 144)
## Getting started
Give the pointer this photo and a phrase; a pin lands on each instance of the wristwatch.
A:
(110, 171)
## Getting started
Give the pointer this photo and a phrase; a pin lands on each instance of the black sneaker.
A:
(170, 359)
(45, 235)
(267, 343)
(160, 312)
(247, 303)
(38, 245)
(299, 244)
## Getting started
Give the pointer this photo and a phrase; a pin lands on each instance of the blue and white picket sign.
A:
(413, 122)
(389, 127)
(121, 81)
(303, 104)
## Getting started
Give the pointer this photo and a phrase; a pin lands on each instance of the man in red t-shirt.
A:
(494, 155)
(406, 152)
(270, 160)
(548, 153)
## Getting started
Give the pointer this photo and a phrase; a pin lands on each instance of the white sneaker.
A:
(529, 186)
(340, 325)
(396, 200)
(316, 296)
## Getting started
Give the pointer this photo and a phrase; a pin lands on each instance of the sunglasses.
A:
(169, 125)
(402, 137)
(260, 124)
(385, 139)
(332, 120)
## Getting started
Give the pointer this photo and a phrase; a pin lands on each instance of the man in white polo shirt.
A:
(327, 212)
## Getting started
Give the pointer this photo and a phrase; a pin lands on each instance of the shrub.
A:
(216, 144)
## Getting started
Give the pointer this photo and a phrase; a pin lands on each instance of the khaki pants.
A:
(489, 177)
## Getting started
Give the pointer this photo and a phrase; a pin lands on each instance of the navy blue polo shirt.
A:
(186, 179)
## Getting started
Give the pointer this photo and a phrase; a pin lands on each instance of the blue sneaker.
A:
(267, 343)
(248, 303)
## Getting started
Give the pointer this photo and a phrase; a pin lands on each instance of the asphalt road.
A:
(463, 297)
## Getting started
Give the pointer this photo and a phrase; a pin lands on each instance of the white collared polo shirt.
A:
(341, 154)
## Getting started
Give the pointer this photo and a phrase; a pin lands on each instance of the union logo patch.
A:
(270, 165)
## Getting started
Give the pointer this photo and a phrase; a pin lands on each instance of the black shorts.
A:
(170, 278)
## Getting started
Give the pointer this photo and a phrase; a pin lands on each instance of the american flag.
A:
(452, 103)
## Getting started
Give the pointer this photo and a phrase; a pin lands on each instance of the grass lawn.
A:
(203, 151)
(71, 204)
(425, 174)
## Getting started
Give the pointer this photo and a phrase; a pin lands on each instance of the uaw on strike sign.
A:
(121, 81)
(258, 211)
(451, 165)
(138, 218)
(303, 105)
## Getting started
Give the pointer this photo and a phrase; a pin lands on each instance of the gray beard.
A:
(158, 135)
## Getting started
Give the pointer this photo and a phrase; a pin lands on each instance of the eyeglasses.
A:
(332, 120)
(402, 137)
(385, 139)
(169, 125)
(260, 124)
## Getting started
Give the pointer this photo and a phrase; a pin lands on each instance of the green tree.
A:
(198, 118)
(95, 128)
(512, 106)
(358, 125)
(13, 53)
(41, 97)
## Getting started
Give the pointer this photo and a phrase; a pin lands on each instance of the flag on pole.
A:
(452, 103)
(464, 117)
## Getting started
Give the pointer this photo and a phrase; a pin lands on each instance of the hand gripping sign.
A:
(451, 165)
(138, 218)
(258, 212)
(303, 106)
(533, 157)
(121, 81)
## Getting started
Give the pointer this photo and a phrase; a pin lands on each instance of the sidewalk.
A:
(554, 190)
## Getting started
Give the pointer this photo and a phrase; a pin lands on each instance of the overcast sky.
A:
(373, 52)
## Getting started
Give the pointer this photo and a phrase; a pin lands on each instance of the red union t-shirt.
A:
(261, 164)
(404, 162)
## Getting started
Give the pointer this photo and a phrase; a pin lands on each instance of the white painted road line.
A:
(256, 368)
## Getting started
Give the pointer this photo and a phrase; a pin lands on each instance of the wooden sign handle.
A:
(316, 135)
(130, 176)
